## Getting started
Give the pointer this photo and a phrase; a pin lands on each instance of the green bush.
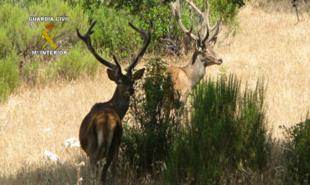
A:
(147, 143)
(77, 62)
(16, 33)
(19, 37)
(9, 76)
(226, 132)
(113, 34)
(66, 30)
(160, 16)
(159, 13)
(297, 154)
(13, 31)
(223, 8)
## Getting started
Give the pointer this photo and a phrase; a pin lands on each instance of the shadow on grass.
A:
(68, 173)
(52, 173)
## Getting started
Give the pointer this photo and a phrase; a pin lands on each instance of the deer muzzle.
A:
(218, 61)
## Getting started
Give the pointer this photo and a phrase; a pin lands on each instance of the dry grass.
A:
(271, 46)
(59, 107)
(266, 45)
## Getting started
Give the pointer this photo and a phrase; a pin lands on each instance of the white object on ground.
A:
(72, 143)
(46, 129)
(51, 156)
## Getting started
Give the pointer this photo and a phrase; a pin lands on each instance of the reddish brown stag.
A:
(101, 129)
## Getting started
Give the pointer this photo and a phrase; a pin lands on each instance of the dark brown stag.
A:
(101, 129)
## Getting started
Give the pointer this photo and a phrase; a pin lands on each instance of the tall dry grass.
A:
(267, 45)
(275, 48)
(39, 119)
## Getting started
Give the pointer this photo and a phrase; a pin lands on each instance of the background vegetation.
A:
(226, 132)
(147, 142)
(112, 34)
(226, 119)
(297, 153)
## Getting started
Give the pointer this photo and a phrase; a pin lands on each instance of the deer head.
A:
(206, 37)
(125, 81)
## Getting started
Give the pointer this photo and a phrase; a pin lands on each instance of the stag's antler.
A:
(206, 37)
(146, 41)
(175, 6)
(87, 41)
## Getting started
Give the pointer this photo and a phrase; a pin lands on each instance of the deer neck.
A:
(120, 102)
(195, 71)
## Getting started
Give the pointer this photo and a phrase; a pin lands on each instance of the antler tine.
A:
(195, 7)
(146, 41)
(175, 6)
(207, 29)
(86, 39)
(205, 16)
(206, 22)
(215, 30)
(116, 62)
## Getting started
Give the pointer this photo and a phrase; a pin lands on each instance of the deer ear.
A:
(112, 75)
(138, 74)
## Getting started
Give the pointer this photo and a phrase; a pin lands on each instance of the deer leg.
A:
(93, 171)
(112, 154)
(97, 163)
(107, 161)
(114, 166)
(104, 171)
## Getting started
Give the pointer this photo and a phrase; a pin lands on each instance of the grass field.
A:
(267, 45)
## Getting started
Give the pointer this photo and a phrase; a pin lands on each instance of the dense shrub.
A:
(13, 32)
(19, 36)
(146, 8)
(155, 11)
(147, 142)
(113, 34)
(166, 33)
(9, 76)
(159, 14)
(297, 154)
(76, 63)
(223, 8)
(226, 131)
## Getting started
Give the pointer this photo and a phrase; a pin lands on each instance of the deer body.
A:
(101, 130)
(103, 118)
(184, 78)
